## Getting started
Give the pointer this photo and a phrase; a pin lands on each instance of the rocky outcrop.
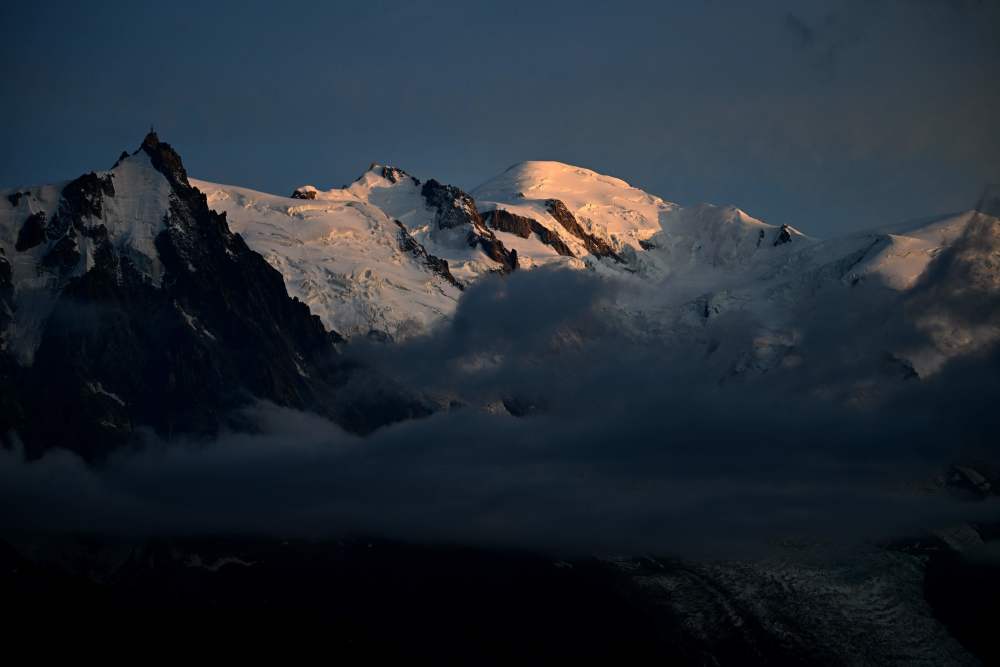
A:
(454, 209)
(595, 246)
(396, 175)
(81, 198)
(505, 221)
(119, 352)
(64, 254)
(32, 232)
(15, 198)
(494, 248)
(784, 235)
(305, 192)
(435, 264)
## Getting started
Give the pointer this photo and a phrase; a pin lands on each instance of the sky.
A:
(830, 116)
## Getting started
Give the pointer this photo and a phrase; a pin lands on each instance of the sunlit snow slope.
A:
(370, 256)
(392, 254)
(342, 256)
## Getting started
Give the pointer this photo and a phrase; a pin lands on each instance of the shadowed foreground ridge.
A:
(382, 599)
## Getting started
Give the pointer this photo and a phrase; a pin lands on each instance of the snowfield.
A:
(339, 252)
(390, 254)
(340, 255)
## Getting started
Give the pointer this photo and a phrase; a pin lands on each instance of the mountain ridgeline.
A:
(137, 300)
(145, 310)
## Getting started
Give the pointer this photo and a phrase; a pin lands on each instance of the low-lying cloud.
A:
(626, 444)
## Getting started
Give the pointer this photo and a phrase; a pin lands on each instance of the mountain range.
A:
(554, 360)
(138, 298)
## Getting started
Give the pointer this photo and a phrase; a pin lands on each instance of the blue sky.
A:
(830, 116)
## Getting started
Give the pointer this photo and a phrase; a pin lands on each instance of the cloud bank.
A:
(623, 444)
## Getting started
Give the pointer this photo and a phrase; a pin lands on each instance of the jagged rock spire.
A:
(151, 140)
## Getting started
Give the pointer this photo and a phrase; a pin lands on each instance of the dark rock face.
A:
(6, 291)
(119, 352)
(32, 232)
(505, 221)
(64, 254)
(15, 198)
(302, 193)
(395, 175)
(595, 246)
(455, 209)
(784, 236)
(435, 264)
(495, 250)
(83, 197)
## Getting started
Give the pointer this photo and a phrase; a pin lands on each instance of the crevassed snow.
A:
(341, 256)
(402, 200)
(693, 263)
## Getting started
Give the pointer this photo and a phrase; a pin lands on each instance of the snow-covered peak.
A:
(607, 208)
(53, 234)
(381, 176)
(134, 216)
(392, 190)
(536, 179)
(442, 219)
(602, 216)
(899, 254)
(593, 214)
(393, 253)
